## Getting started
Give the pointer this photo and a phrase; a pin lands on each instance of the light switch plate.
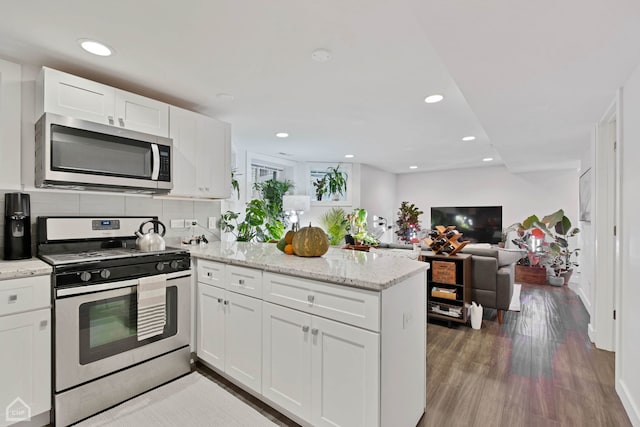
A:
(177, 223)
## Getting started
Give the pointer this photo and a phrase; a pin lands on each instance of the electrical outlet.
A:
(177, 223)
(190, 222)
(213, 223)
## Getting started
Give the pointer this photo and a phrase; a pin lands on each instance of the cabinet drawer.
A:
(247, 281)
(211, 272)
(24, 294)
(356, 307)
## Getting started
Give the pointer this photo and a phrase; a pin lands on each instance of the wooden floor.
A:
(536, 369)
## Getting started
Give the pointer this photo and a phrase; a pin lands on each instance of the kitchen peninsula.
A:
(334, 340)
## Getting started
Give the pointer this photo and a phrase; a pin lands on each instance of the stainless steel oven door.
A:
(96, 331)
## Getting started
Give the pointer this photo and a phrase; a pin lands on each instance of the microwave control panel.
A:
(165, 163)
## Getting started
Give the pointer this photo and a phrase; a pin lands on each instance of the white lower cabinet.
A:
(230, 333)
(320, 370)
(25, 363)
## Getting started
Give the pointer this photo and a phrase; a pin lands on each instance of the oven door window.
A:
(109, 327)
(83, 151)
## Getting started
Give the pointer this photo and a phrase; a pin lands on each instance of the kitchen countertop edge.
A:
(23, 268)
(353, 282)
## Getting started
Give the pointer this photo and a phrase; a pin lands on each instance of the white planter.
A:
(555, 280)
(476, 315)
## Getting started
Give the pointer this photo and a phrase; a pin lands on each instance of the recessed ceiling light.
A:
(282, 134)
(413, 167)
(225, 96)
(349, 156)
(432, 99)
(95, 47)
(487, 159)
(468, 138)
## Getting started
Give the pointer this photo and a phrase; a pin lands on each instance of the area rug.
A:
(192, 400)
(515, 298)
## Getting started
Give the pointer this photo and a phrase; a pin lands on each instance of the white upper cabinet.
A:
(10, 80)
(72, 96)
(201, 153)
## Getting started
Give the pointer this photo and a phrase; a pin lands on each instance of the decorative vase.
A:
(555, 280)
(566, 275)
(476, 315)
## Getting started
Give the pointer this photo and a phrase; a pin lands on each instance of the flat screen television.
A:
(478, 224)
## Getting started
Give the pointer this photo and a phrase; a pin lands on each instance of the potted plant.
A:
(408, 223)
(254, 226)
(272, 191)
(560, 262)
(335, 223)
(235, 186)
(358, 228)
(321, 187)
(336, 182)
(530, 238)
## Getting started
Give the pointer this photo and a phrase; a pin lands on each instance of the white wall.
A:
(378, 196)
(627, 372)
(586, 238)
(520, 195)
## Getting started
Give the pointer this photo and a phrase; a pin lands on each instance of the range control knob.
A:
(85, 276)
(160, 266)
(174, 264)
(105, 274)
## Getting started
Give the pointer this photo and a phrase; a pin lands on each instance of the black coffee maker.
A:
(17, 226)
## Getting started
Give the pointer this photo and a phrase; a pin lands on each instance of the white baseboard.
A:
(578, 289)
(628, 403)
(592, 333)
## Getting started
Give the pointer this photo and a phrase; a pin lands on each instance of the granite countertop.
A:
(23, 268)
(345, 267)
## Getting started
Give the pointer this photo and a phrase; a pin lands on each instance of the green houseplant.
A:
(335, 223)
(358, 228)
(272, 191)
(336, 181)
(321, 187)
(408, 223)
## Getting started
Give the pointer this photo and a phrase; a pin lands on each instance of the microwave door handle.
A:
(155, 171)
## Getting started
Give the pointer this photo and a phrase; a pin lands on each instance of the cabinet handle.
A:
(311, 298)
(206, 188)
(226, 302)
(110, 118)
(219, 300)
(314, 331)
(121, 121)
(305, 328)
(43, 323)
(13, 299)
(241, 281)
(209, 274)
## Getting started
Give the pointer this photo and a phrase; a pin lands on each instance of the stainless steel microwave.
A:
(78, 154)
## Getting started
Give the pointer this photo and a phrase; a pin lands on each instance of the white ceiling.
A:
(529, 79)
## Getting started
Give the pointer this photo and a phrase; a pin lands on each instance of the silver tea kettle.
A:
(150, 241)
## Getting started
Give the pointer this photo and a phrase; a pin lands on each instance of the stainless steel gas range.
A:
(100, 358)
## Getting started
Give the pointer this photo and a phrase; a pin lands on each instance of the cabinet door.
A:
(25, 361)
(211, 321)
(286, 358)
(213, 159)
(346, 375)
(10, 81)
(142, 114)
(243, 339)
(73, 96)
(183, 129)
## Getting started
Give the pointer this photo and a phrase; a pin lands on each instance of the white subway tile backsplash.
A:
(101, 205)
(54, 204)
(142, 206)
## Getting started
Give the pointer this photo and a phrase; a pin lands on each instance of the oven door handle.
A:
(80, 290)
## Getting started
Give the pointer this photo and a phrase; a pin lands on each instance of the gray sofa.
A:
(491, 284)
